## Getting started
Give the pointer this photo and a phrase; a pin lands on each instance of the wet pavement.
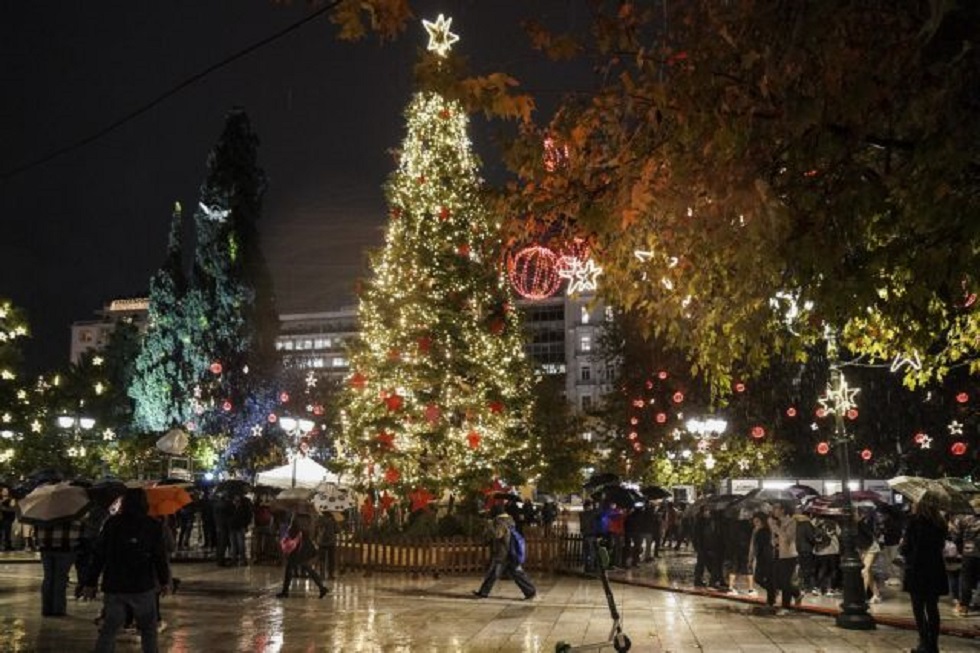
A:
(234, 609)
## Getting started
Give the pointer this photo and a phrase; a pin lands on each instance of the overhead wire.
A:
(119, 122)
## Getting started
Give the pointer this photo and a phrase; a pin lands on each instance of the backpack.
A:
(517, 550)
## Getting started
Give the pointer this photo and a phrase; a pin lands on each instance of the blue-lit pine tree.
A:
(439, 395)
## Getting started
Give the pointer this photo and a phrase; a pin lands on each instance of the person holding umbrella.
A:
(299, 551)
(925, 578)
(8, 510)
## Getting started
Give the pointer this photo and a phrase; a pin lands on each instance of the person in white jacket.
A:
(783, 528)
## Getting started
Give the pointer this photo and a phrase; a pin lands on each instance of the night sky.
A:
(91, 225)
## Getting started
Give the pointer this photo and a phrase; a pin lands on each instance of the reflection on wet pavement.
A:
(235, 609)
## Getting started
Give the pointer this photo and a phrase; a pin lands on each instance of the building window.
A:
(287, 345)
(586, 402)
(586, 373)
(85, 336)
(321, 343)
(585, 343)
(610, 316)
(340, 362)
(585, 315)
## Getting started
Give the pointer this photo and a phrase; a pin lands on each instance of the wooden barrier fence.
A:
(546, 551)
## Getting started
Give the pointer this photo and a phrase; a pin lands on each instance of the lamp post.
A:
(77, 424)
(838, 399)
(296, 428)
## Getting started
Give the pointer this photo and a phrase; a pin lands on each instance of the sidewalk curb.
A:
(894, 622)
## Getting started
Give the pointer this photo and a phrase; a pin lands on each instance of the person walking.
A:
(761, 555)
(827, 553)
(503, 529)
(866, 540)
(925, 573)
(239, 520)
(58, 544)
(966, 534)
(131, 560)
(589, 529)
(783, 528)
(299, 551)
(328, 544)
(805, 550)
(8, 510)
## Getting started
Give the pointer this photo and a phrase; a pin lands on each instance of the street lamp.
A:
(839, 399)
(296, 428)
(76, 424)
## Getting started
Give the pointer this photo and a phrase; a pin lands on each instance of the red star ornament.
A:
(367, 510)
(444, 213)
(420, 498)
(392, 475)
(463, 250)
(394, 354)
(496, 407)
(425, 344)
(386, 502)
(473, 439)
(386, 440)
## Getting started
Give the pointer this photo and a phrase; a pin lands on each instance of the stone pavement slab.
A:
(234, 610)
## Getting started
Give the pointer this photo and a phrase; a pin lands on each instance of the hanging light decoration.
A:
(533, 272)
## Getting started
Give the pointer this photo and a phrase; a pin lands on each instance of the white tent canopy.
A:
(307, 474)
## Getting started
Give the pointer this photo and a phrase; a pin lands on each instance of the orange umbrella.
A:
(166, 499)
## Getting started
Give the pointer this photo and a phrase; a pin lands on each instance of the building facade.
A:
(93, 335)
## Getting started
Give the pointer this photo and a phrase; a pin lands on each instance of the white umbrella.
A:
(302, 472)
(174, 442)
(918, 489)
(53, 503)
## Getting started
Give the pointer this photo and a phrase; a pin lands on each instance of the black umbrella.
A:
(801, 491)
(232, 487)
(104, 493)
(746, 508)
(600, 480)
(655, 492)
(506, 496)
(774, 495)
(621, 496)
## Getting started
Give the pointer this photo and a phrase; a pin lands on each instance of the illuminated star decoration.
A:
(311, 380)
(743, 464)
(913, 362)
(215, 213)
(36, 426)
(839, 400)
(257, 430)
(440, 38)
(108, 435)
(581, 278)
(924, 441)
(955, 428)
(97, 361)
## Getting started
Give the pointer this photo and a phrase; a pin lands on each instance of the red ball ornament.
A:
(533, 272)
(958, 448)
(662, 375)
(386, 441)
(637, 447)
(226, 406)
(919, 437)
(634, 421)
(444, 114)
(317, 409)
(215, 368)
(357, 381)
(497, 326)
(395, 212)
(649, 385)
(661, 418)
(473, 439)
(463, 250)
(392, 475)
(496, 407)
(823, 448)
(790, 412)
(962, 398)
(432, 414)
(633, 435)
(284, 397)
(739, 387)
(425, 344)
(852, 414)
(444, 213)
(758, 432)
(273, 418)
(639, 403)
(394, 354)
(678, 397)
(821, 412)
(866, 455)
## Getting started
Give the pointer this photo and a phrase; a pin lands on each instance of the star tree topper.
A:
(839, 400)
(440, 38)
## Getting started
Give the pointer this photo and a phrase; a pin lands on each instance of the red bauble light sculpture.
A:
(958, 448)
(866, 455)
(790, 412)
(533, 272)
(823, 448)
(758, 432)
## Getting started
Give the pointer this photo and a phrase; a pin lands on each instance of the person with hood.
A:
(783, 527)
(806, 536)
(132, 561)
(502, 529)
(925, 578)
(760, 555)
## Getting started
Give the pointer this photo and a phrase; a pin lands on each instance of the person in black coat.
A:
(925, 573)
(131, 559)
(761, 554)
(300, 556)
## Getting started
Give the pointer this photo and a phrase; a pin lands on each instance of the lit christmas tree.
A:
(439, 396)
